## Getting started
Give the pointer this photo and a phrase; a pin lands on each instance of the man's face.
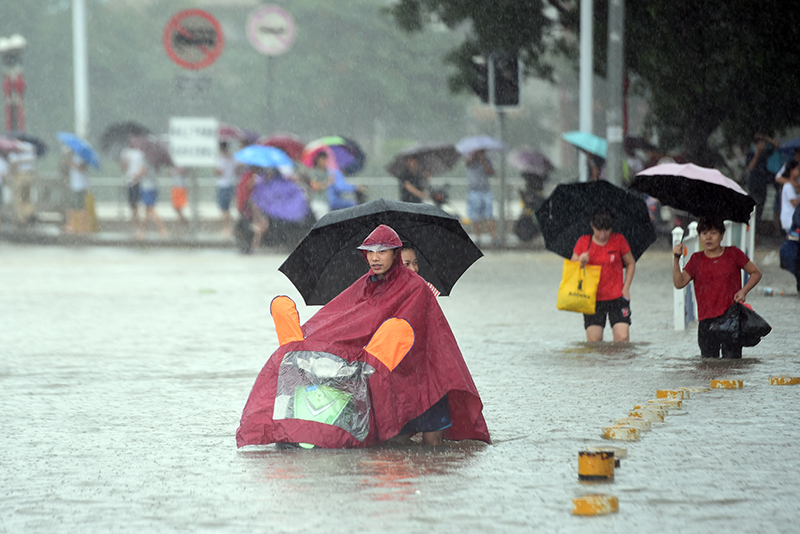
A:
(711, 239)
(380, 262)
(410, 260)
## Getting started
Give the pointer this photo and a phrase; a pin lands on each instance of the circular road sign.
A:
(193, 39)
(270, 30)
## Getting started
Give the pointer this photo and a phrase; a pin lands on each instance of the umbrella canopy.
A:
(10, 144)
(530, 161)
(156, 150)
(80, 147)
(478, 142)
(267, 157)
(280, 198)
(565, 216)
(347, 154)
(698, 190)
(789, 147)
(39, 144)
(588, 142)
(326, 261)
(432, 159)
(291, 144)
(115, 136)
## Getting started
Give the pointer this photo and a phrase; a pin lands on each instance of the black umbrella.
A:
(115, 136)
(565, 215)
(432, 159)
(38, 144)
(698, 190)
(327, 261)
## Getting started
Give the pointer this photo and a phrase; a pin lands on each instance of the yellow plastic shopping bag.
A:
(578, 289)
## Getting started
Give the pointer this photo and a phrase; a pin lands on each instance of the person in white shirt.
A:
(77, 216)
(225, 171)
(134, 169)
(789, 194)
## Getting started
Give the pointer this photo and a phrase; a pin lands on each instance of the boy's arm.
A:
(754, 278)
(680, 279)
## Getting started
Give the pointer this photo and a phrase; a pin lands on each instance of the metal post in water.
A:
(585, 96)
(678, 299)
(80, 67)
(616, 72)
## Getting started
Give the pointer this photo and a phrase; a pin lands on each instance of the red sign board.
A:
(193, 39)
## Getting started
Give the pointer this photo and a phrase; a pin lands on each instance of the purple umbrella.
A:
(280, 198)
(528, 160)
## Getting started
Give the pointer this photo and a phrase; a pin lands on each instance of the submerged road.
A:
(124, 372)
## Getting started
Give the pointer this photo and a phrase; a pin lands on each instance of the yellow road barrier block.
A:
(652, 414)
(784, 380)
(595, 504)
(596, 466)
(639, 423)
(621, 433)
(671, 394)
(726, 384)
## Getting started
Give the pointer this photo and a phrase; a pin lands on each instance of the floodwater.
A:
(124, 372)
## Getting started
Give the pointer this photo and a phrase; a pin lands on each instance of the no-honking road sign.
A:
(270, 30)
(193, 39)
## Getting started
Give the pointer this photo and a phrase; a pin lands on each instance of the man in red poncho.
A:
(376, 361)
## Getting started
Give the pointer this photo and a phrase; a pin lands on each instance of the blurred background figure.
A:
(226, 183)
(479, 195)
(77, 216)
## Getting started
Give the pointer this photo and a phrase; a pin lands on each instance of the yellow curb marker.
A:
(784, 380)
(726, 384)
(671, 394)
(621, 433)
(595, 504)
(596, 466)
(639, 423)
(654, 415)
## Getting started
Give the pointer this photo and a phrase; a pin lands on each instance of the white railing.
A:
(684, 305)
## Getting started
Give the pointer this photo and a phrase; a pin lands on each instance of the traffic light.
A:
(479, 78)
(506, 79)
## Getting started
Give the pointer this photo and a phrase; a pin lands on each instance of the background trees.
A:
(714, 72)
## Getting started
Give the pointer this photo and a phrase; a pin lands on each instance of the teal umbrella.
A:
(588, 142)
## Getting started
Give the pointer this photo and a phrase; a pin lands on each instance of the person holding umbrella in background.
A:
(337, 187)
(413, 182)
(77, 216)
(479, 194)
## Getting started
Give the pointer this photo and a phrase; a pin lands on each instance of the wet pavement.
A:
(124, 373)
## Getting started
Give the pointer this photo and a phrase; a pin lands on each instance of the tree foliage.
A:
(709, 69)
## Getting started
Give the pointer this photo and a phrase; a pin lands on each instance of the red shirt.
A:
(716, 280)
(609, 257)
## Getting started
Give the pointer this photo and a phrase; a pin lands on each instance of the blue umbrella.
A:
(267, 157)
(588, 142)
(80, 147)
(478, 142)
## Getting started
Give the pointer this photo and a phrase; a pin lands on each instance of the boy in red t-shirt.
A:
(716, 272)
(611, 251)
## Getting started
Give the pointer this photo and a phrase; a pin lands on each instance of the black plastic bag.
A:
(739, 325)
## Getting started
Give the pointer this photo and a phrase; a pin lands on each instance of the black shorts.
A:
(617, 310)
(133, 195)
(437, 417)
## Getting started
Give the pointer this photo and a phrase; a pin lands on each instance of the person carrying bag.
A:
(609, 250)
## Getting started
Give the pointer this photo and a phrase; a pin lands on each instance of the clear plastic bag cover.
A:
(322, 387)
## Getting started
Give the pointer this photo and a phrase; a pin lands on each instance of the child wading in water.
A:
(716, 272)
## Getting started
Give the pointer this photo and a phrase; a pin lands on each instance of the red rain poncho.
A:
(432, 368)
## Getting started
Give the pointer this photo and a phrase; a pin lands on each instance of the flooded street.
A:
(124, 373)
